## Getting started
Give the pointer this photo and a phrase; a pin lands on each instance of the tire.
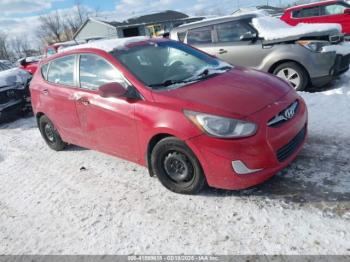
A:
(291, 72)
(176, 166)
(50, 134)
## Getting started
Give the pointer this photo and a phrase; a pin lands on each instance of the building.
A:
(151, 25)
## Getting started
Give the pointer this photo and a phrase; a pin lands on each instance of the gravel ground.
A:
(83, 202)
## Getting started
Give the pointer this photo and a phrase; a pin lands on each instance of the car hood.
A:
(13, 77)
(239, 92)
(321, 35)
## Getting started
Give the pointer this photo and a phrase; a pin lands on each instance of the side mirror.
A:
(347, 11)
(112, 90)
(248, 37)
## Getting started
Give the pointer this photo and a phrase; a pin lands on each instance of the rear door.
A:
(57, 95)
(108, 123)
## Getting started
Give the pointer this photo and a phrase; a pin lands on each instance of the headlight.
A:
(222, 127)
(315, 46)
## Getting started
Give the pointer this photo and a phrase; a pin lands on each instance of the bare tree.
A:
(21, 47)
(51, 27)
(4, 51)
(58, 27)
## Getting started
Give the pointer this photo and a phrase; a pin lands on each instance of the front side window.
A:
(307, 12)
(62, 71)
(199, 36)
(335, 9)
(164, 64)
(232, 31)
(96, 71)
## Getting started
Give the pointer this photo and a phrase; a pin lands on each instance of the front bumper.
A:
(259, 152)
(340, 66)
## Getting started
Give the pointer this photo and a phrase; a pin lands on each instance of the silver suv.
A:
(299, 59)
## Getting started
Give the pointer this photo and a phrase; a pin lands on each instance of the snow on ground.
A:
(49, 204)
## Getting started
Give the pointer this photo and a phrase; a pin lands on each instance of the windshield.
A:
(169, 64)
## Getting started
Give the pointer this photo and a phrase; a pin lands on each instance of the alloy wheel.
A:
(291, 76)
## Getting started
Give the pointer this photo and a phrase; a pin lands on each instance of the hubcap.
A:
(49, 133)
(291, 76)
(178, 167)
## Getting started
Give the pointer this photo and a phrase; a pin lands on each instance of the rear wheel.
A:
(294, 74)
(177, 167)
(50, 134)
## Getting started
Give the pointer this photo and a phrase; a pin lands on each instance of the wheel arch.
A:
(151, 144)
(280, 62)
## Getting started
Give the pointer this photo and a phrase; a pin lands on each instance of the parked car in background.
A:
(334, 11)
(29, 64)
(293, 53)
(14, 92)
(191, 118)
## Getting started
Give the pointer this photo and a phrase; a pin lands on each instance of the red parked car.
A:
(30, 64)
(333, 11)
(192, 119)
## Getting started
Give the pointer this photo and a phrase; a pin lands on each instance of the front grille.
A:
(288, 150)
(341, 64)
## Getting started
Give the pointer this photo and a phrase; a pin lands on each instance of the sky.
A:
(20, 17)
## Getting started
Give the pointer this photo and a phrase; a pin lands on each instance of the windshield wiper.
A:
(202, 76)
(170, 82)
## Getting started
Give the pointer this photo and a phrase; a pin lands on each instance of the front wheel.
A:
(294, 74)
(50, 134)
(176, 166)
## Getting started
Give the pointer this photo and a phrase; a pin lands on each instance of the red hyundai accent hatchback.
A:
(192, 119)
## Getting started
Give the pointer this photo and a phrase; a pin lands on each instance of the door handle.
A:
(45, 92)
(222, 51)
(84, 101)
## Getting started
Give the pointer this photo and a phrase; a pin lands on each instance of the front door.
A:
(108, 123)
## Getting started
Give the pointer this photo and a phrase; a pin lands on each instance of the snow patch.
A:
(13, 76)
(340, 49)
(271, 28)
(108, 45)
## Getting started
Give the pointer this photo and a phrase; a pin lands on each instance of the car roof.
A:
(106, 45)
(213, 21)
(321, 3)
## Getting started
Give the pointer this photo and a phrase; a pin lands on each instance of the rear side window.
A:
(307, 12)
(96, 71)
(200, 35)
(44, 70)
(62, 71)
(232, 31)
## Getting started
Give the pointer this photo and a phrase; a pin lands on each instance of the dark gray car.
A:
(298, 59)
(14, 92)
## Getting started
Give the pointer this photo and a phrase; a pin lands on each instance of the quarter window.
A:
(62, 71)
(199, 35)
(333, 9)
(232, 31)
(96, 71)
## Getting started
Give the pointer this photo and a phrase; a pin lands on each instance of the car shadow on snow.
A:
(319, 177)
